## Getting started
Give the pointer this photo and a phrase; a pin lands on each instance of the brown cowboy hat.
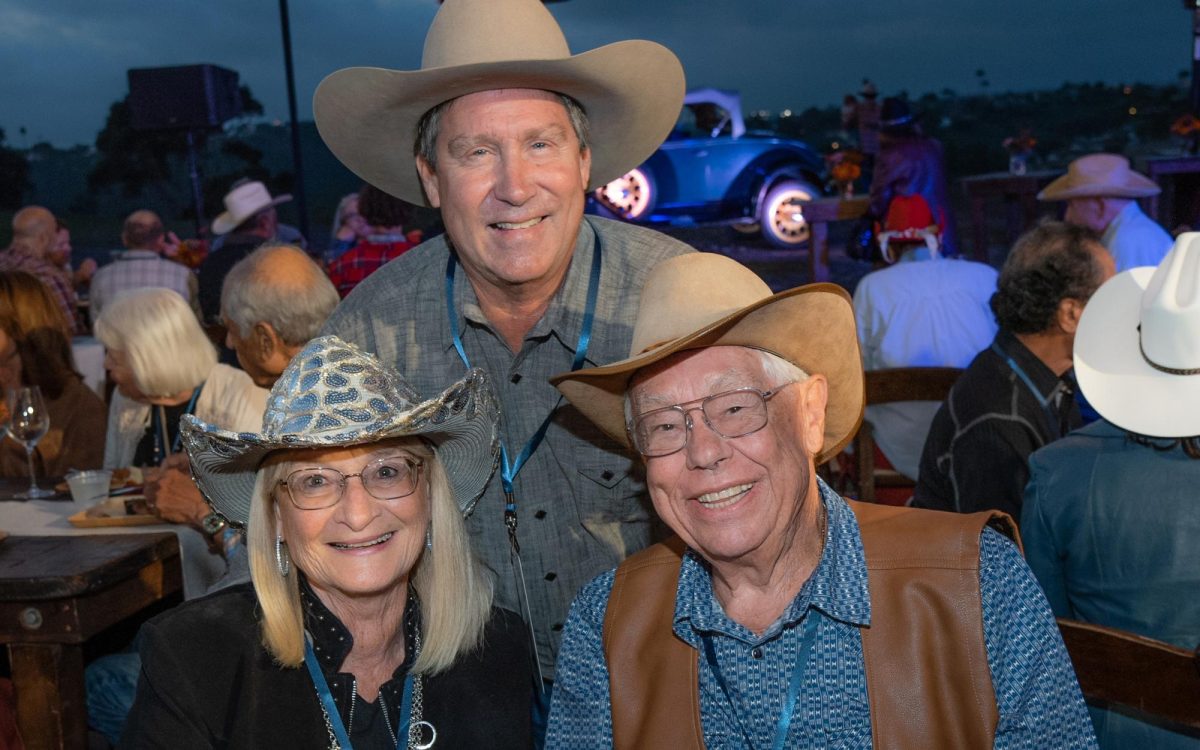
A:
(1099, 176)
(697, 300)
(632, 91)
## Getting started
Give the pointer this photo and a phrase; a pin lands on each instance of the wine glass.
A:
(29, 422)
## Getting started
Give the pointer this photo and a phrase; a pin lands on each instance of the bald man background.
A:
(35, 233)
(143, 265)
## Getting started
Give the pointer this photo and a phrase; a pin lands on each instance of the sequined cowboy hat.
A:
(334, 394)
(1137, 348)
(697, 300)
(632, 91)
(242, 202)
(1099, 176)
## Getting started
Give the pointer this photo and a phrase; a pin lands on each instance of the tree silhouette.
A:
(14, 175)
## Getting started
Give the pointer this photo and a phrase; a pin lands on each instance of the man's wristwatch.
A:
(212, 524)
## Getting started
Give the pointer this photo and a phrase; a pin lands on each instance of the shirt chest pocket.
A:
(609, 486)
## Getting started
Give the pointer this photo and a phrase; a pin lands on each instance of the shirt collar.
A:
(332, 640)
(1042, 376)
(838, 586)
(1114, 226)
(137, 255)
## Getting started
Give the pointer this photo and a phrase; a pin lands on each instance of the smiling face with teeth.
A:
(510, 182)
(748, 502)
(361, 546)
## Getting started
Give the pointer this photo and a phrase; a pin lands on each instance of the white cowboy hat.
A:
(334, 394)
(1137, 348)
(1099, 176)
(632, 91)
(242, 202)
(697, 300)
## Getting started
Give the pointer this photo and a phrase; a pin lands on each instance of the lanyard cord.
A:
(784, 725)
(161, 432)
(509, 470)
(1043, 401)
(331, 712)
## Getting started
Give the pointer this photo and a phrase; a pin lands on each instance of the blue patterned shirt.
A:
(1039, 700)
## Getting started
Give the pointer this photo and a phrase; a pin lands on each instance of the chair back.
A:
(1154, 678)
(891, 386)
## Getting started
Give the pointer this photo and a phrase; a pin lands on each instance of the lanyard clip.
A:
(510, 520)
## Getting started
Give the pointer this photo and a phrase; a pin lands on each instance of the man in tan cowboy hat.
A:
(504, 130)
(248, 221)
(784, 615)
(1100, 191)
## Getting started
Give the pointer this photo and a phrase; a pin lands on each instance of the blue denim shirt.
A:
(1039, 700)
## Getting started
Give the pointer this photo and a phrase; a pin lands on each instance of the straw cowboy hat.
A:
(334, 394)
(242, 202)
(1137, 348)
(697, 300)
(1099, 176)
(632, 91)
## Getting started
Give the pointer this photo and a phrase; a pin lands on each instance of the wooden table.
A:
(56, 593)
(819, 213)
(1017, 191)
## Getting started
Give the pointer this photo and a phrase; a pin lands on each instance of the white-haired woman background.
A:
(368, 623)
(164, 366)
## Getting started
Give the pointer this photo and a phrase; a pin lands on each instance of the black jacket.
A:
(207, 682)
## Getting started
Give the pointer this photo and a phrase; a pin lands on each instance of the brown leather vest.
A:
(928, 682)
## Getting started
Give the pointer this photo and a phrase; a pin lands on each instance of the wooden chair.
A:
(892, 386)
(1117, 667)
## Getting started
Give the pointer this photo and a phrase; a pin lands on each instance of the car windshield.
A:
(702, 120)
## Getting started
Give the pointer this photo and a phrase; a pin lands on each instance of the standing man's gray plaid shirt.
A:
(582, 505)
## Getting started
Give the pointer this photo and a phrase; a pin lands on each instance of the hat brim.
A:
(632, 92)
(1114, 376)
(227, 221)
(459, 422)
(1067, 187)
(811, 326)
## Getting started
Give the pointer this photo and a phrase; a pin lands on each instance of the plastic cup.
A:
(88, 486)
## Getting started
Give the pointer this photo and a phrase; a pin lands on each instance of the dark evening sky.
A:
(64, 61)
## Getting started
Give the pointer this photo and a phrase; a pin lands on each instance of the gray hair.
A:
(167, 350)
(776, 371)
(296, 309)
(425, 144)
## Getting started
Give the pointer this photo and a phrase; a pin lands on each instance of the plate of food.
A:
(116, 511)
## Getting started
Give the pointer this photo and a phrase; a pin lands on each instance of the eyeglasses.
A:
(730, 414)
(388, 478)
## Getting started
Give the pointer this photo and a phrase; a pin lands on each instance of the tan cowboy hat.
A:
(697, 300)
(632, 91)
(242, 202)
(1137, 348)
(1099, 176)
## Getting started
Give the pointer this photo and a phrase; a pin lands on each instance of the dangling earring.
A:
(285, 565)
(429, 536)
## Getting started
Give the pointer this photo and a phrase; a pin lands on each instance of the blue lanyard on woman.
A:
(784, 725)
(161, 432)
(331, 711)
(509, 470)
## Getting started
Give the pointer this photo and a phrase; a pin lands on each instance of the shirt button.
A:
(756, 652)
(516, 378)
(540, 515)
(551, 576)
(556, 627)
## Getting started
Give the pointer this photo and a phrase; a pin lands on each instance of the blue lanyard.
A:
(1043, 401)
(784, 725)
(509, 470)
(161, 432)
(335, 719)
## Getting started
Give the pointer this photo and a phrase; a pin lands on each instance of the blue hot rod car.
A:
(711, 169)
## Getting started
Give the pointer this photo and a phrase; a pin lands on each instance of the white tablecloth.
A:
(201, 568)
(89, 358)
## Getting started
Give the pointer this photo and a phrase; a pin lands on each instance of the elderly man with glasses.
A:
(783, 615)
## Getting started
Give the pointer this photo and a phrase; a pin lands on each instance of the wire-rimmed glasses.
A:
(730, 414)
(317, 487)
(28, 423)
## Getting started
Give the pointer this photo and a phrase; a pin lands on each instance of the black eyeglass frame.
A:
(689, 425)
(415, 465)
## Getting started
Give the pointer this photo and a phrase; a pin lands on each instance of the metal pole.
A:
(194, 173)
(297, 162)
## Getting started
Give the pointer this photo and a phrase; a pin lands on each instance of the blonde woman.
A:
(368, 622)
